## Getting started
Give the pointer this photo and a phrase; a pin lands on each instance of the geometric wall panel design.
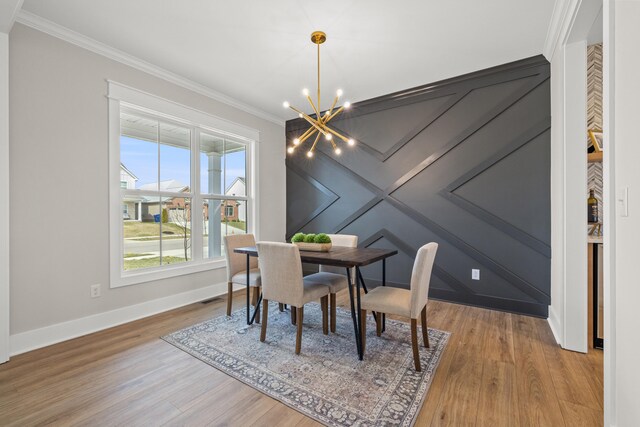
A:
(464, 162)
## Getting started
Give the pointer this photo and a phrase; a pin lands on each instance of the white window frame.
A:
(124, 97)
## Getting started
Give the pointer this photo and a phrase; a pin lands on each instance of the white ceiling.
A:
(259, 52)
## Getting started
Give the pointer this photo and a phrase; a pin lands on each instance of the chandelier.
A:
(319, 125)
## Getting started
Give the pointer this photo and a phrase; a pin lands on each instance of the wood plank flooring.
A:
(499, 369)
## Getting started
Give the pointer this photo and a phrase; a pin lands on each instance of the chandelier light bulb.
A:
(347, 105)
(338, 151)
(300, 115)
(328, 137)
(339, 92)
(285, 104)
(296, 141)
(290, 150)
(309, 153)
(305, 91)
(351, 142)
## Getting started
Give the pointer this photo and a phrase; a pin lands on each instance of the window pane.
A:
(211, 164)
(212, 229)
(138, 152)
(176, 230)
(175, 158)
(235, 168)
(234, 217)
(142, 237)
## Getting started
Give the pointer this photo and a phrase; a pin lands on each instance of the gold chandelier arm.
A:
(313, 106)
(338, 134)
(309, 119)
(307, 134)
(338, 111)
(314, 143)
(326, 118)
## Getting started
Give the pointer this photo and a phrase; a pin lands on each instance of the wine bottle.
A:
(592, 208)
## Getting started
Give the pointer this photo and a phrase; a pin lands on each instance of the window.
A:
(182, 172)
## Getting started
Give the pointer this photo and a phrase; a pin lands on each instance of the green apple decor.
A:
(322, 238)
(320, 242)
(298, 237)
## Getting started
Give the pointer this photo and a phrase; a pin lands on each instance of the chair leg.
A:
(414, 344)
(265, 314)
(293, 315)
(425, 331)
(254, 296)
(378, 323)
(281, 307)
(229, 297)
(299, 317)
(363, 329)
(324, 302)
(332, 297)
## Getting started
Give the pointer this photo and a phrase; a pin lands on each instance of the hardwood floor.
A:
(499, 369)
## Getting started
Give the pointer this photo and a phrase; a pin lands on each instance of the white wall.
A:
(622, 156)
(4, 197)
(59, 131)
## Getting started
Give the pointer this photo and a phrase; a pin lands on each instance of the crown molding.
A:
(51, 28)
(8, 12)
(562, 18)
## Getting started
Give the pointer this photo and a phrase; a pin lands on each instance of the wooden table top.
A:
(339, 256)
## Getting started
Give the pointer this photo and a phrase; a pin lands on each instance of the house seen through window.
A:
(175, 180)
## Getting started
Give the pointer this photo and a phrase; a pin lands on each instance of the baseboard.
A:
(53, 334)
(554, 324)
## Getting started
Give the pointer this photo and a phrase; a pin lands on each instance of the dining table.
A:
(337, 256)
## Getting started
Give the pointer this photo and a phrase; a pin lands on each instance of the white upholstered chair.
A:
(336, 284)
(237, 267)
(282, 281)
(410, 303)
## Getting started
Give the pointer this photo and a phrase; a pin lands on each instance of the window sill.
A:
(149, 275)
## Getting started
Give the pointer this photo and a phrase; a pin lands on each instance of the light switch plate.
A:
(475, 274)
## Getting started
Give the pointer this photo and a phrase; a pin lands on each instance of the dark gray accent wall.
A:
(463, 162)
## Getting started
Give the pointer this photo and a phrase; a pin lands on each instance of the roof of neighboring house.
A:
(124, 168)
(241, 179)
(169, 185)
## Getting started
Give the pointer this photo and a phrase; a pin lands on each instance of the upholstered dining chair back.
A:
(238, 262)
(348, 240)
(281, 271)
(421, 276)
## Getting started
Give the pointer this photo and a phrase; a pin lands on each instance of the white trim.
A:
(42, 337)
(34, 21)
(609, 204)
(165, 272)
(562, 18)
(7, 21)
(178, 112)
(4, 198)
(555, 325)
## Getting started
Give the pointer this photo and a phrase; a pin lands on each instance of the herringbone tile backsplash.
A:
(594, 115)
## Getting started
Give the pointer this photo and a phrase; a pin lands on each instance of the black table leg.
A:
(249, 321)
(359, 314)
(384, 283)
(356, 328)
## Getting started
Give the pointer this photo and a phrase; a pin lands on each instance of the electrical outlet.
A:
(95, 291)
(475, 274)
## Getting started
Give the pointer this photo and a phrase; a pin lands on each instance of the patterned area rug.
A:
(326, 381)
